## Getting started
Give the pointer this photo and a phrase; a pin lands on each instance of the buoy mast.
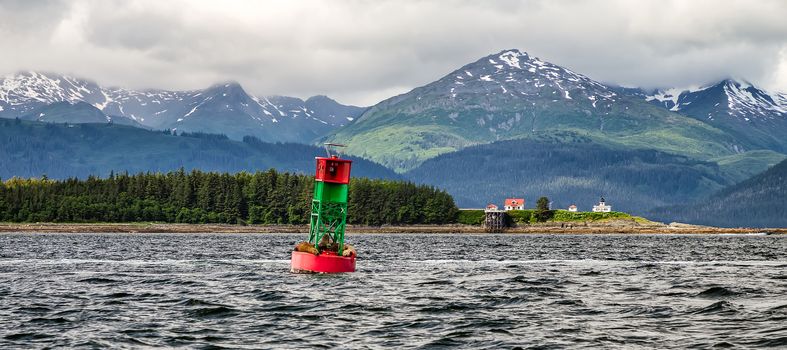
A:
(329, 203)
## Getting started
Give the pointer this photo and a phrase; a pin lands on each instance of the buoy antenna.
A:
(329, 146)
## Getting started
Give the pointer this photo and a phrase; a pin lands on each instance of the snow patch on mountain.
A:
(742, 96)
(667, 97)
(511, 58)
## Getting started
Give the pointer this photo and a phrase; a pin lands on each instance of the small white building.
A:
(602, 207)
(572, 208)
(491, 208)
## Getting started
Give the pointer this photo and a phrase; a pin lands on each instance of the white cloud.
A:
(362, 51)
(779, 77)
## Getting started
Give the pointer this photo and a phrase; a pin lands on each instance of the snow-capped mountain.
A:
(222, 108)
(734, 98)
(519, 75)
(512, 94)
(330, 111)
(23, 92)
(735, 106)
(513, 75)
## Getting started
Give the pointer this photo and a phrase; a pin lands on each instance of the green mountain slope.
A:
(760, 201)
(576, 172)
(60, 151)
(741, 166)
(513, 95)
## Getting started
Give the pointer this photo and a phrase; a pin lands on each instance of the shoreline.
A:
(547, 228)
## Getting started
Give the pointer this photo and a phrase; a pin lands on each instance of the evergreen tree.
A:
(542, 204)
(542, 212)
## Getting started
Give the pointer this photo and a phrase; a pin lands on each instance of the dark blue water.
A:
(410, 291)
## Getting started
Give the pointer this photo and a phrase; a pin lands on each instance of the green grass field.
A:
(476, 216)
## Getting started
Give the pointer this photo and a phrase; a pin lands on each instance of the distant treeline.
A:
(268, 197)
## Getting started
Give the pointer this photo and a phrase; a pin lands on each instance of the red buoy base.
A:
(326, 262)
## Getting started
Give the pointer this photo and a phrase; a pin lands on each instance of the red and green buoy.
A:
(328, 219)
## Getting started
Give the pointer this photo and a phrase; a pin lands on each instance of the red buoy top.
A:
(333, 169)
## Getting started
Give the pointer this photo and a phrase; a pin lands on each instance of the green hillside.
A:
(742, 166)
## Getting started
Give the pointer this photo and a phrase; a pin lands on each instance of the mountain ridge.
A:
(232, 110)
(510, 95)
(734, 106)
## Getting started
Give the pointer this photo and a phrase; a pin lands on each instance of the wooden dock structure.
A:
(495, 221)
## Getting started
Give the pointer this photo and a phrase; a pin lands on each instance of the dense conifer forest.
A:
(268, 197)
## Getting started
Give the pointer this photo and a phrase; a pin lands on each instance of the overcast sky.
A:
(361, 52)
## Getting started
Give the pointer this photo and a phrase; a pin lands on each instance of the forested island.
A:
(267, 198)
(197, 197)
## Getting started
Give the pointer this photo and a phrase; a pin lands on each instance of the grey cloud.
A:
(362, 51)
(126, 33)
(27, 19)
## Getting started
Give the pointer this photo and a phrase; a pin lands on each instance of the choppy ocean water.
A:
(410, 291)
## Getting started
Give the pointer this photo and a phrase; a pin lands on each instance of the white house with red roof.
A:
(515, 204)
(572, 207)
